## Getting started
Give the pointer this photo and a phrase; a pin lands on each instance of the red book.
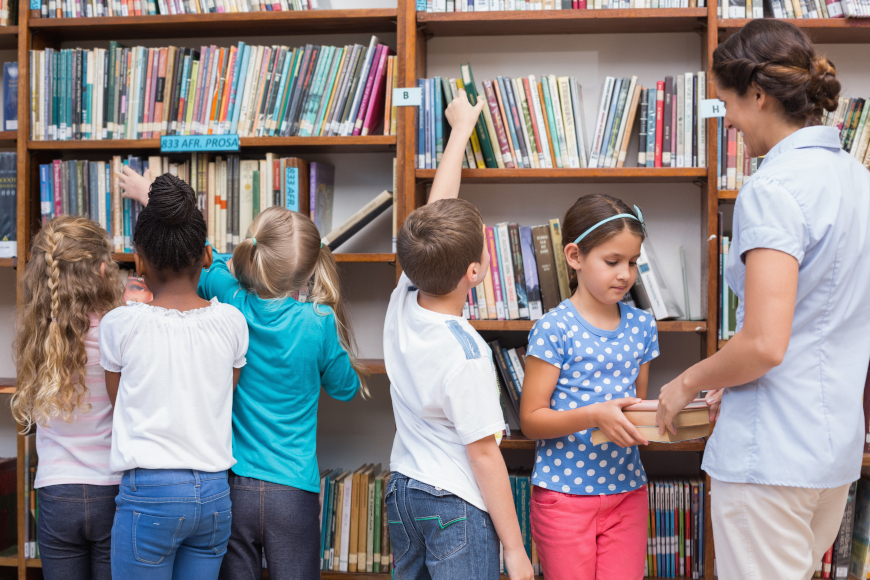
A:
(370, 122)
(835, 9)
(575, 4)
(501, 135)
(161, 92)
(367, 92)
(531, 103)
(747, 165)
(660, 119)
(826, 562)
(58, 198)
(496, 279)
(731, 161)
(688, 531)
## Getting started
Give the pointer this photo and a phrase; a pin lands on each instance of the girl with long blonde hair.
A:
(69, 284)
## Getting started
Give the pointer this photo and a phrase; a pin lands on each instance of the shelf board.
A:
(621, 175)
(699, 326)
(8, 138)
(519, 441)
(820, 30)
(8, 40)
(511, 23)
(367, 144)
(722, 343)
(216, 25)
(374, 366)
(8, 262)
(728, 194)
(365, 258)
(866, 461)
(10, 561)
(33, 563)
(7, 387)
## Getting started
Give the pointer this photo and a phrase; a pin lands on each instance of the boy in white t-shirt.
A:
(449, 499)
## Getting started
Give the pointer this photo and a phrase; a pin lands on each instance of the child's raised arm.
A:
(135, 186)
(462, 117)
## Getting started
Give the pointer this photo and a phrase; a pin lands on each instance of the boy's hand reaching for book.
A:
(135, 186)
(461, 115)
(673, 398)
(613, 422)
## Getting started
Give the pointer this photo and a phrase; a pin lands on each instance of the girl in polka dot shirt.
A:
(587, 359)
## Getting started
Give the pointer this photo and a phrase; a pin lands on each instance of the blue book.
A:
(506, 101)
(10, 96)
(45, 199)
(432, 117)
(530, 270)
(427, 124)
(651, 129)
(611, 116)
(93, 186)
(499, 257)
(292, 188)
(236, 103)
(421, 129)
(439, 121)
(108, 181)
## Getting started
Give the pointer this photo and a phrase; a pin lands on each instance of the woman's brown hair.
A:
(61, 287)
(283, 254)
(588, 211)
(781, 60)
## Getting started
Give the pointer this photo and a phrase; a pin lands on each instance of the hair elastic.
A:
(638, 217)
(255, 240)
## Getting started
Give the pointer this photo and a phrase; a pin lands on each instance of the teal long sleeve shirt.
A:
(293, 351)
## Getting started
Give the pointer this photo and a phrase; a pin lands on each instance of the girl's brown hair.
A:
(62, 285)
(282, 254)
(781, 60)
(588, 211)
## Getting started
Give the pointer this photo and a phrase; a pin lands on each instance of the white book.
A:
(250, 80)
(601, 124)
(345, 522)
(518, 367)
(480, 292)
(680, 89)
(568, 117)
(689, 121)
(623, 121)
(553, 86)
(507, 270)
(246, 195)
(702, 123)
(579, 122)
(661, 299)
(539, 120)
(264, 193)
(519, 93)
(481, 5)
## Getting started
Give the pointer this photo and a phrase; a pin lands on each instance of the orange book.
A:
(546, 124)
(156, 122)
(354, 523)
(505, 123)
(225, 98)
(219, 81)
(388, 105)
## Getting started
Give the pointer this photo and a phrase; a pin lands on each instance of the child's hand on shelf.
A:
(612, 421)
(517, 564)
(135, 186)
(461, 115)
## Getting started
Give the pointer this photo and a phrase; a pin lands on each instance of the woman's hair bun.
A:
(823, 87)
(171, 200)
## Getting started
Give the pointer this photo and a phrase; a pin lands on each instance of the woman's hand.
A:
(135, 186)
(613, 423)
(673, 398)
(714, 401)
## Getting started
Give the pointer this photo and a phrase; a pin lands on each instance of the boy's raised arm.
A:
(462, 117)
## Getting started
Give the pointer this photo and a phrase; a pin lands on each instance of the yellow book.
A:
(393, 113)
(475, 142)
(362, 518)
(488, 289)
(337, 542)
(354, 522)
(559, 254)
(188, 119)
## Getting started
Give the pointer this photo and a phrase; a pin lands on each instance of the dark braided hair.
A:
(171, 232)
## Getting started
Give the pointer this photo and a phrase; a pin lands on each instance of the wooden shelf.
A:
(365, 258)
(519, 441)
(820, 30)
(8, 41)
(8, 262)
(367, 144)
(727, 194)
(7, 387)
(8, 138)
(512, 23)
(699, 326)
(10, 561)
(722, 343)
(866, 461)
(374, 366)
(33, 563)
(622, 175)
(215, 25)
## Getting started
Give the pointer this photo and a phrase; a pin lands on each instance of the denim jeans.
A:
(75, 531)
(276, 519)
(171, 523)
(437, 535)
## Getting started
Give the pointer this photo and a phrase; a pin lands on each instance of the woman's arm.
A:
(539, 421)
(112, 382)
(769, 302)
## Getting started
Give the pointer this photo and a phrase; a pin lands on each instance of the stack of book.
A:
(510, 364)
(354, 530)
(528, 276)
(230, 191)
(672, 132)
(9, 13)
(250, 91)
(693, 422)
(98, 8)
(675, 532)
(496, 5)
(782, 9)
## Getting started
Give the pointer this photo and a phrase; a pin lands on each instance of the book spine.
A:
(496, 278)
(659, 124)
(601, 125)
(495, 114)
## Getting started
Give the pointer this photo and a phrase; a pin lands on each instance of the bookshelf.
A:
(413, 31)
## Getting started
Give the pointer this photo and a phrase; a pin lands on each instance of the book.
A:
(322, 193)
(10, 96)
(859, 560)
(643, 414)
(546, 263)
(840, 560)
(358, 220)
(559, 255)
(652, 434)
(662, 301)
(530, 270)
(8, 205)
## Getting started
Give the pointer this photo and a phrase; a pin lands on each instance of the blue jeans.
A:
(75, 531)
(278, 519)
(437, 535)
(171, 523)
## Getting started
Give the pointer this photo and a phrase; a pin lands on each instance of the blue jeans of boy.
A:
(74, 529)
(171, 523)
(436, 535)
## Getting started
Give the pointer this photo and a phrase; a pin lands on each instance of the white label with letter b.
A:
(409, 97)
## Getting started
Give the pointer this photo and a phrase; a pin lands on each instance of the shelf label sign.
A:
(410, 97)
(711, 108)
(194, 143)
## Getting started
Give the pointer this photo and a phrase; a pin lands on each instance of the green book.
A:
(482, 133)
(256, 184)
(376, 541)
(551, 120)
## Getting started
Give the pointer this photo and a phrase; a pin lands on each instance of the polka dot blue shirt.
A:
(596, 365)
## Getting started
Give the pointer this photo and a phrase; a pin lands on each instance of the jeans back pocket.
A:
(440, 517)
(399, 540)
(154, 536)
(220, 535)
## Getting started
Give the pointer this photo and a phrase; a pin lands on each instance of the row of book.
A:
(502, 5)
(354, 530)
(31, 497)
(675, 528)
(781, 9)
(528, 276)
(100, 8)
(250, 91)
(8, 12)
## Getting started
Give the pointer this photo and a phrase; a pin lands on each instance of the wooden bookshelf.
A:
(9, 561)
(8, 262)
(820, 30)
(366, 20)
(7, 387)
(127, 258)
(727, 194)
(621, 175)
(8, 139)
(866, 461)
(513, 23)
(519, 441)
(374, 366)
(8, 39)
(367, 144)
(699, 326)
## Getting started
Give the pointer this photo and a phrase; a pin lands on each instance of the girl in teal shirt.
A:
(294, 349)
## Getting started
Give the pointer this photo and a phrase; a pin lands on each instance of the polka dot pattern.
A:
(594, 366)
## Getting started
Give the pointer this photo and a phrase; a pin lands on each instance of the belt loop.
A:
(196, 477)
(133, 479)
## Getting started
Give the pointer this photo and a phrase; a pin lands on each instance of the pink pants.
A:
(589, 537)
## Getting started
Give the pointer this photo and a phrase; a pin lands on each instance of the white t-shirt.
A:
(175, 400)
(444, 392)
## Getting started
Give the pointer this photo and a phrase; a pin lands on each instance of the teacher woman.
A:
(789, 437)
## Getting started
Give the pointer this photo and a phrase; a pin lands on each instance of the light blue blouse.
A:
(801, 424)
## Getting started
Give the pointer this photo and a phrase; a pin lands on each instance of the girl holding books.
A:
(296, 347)
(69, 284)
(171, 366)
(789, 437)
(586, 360)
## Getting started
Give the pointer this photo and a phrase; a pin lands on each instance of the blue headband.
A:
(638, 217)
